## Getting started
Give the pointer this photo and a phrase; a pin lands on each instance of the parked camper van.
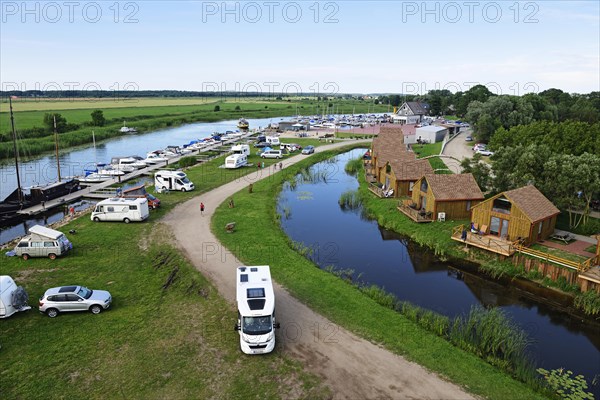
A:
(13, 298)
(172, 180)
(241, 149)
(256, 310)
(43, 242)
(121, 209)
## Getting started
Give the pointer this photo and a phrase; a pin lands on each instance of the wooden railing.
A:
(415, 215)
(487, 242)
(376, 189)
(580, 267)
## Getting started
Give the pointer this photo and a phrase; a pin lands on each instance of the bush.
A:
(217, 108)
(187, 161)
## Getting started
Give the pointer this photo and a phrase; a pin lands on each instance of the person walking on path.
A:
(201, 208)
(280, 165)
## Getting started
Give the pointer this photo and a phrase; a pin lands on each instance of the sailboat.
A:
(22, 198)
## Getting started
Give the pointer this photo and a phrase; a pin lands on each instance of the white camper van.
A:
(121, 209)
(13, 298)
(172, 180)
(43, 242)
(256, 309)
(241, 149)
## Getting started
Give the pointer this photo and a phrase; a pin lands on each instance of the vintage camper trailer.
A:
(13, 298)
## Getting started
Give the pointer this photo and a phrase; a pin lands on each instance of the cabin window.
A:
(110, 209)
(501, 205)
(411, 186)
(49, 244)
(133, 207)
(540, 228)
(424, 186)
(36, 244)
(468, 205)
(23, 244)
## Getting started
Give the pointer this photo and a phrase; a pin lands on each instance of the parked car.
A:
(272, 154)
(479, 146)
(261, 144)
(485, 152)
(308, 149)
(469, 139)
(74, 298)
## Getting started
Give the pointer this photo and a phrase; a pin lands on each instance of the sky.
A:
(323, 47)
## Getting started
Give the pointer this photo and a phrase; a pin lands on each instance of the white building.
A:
(431, 133)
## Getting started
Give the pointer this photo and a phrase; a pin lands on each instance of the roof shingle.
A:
(532, 203)
(449, 187)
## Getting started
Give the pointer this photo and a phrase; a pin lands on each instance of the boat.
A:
(126, 129)
(154, 157)
(243, 124)
(106, 169)
(127, 164)
(95, 177)
(22, 198)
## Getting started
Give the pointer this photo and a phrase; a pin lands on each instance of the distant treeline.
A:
(69, 94)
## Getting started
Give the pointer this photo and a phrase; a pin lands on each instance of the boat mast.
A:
(12, 123)
(56, 148)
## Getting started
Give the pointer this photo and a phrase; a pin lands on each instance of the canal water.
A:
(73, 162)
(311, 215)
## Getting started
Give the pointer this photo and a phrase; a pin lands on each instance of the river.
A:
(310, 214)
(43, 169)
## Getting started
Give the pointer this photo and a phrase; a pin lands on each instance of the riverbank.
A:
(259, 240)
(35, 139)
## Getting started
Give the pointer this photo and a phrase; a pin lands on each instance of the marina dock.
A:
(101, 190)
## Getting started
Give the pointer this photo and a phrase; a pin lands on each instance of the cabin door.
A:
(499, 227)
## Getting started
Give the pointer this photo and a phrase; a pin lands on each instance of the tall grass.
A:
(588, 302)
(350, 200)
(353, 166)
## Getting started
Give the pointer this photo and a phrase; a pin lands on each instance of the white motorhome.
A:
(172, 180)
(273, 140)
(241, 149)
(121, 209)
(13, 298)
(256, 309)
(43, 242)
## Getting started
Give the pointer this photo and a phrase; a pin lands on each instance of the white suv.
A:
(272, 154)
(74, 298)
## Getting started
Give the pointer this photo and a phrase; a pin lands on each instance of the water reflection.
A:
(347, 240)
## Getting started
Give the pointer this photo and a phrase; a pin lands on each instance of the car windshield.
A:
(84, 292)
(257, 325)
(185, 180)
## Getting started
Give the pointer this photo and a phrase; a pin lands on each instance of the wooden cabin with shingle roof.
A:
(393, 166)
(523, 213)
(452, 196)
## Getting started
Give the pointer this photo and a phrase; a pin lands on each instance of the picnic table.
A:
(565, 237)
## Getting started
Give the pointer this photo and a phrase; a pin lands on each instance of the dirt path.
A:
(354, 368)
(458, 149)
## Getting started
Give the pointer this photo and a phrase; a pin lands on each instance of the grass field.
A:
(157, 340)
(256, 216)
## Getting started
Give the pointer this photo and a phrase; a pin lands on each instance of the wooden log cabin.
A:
(448, 196)
(393, 166)
(523, 213)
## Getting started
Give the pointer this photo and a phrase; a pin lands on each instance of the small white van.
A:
(172, 180)
(13, 298)
(121, 209)
(43, 242)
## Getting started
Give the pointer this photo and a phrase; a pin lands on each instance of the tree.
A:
(480, 170)
(217, 108)
(476, 93)
(237, 108)
(98, 118)
(61, 122)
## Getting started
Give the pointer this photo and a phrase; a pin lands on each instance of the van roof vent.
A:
(256, 304)
(253, 269)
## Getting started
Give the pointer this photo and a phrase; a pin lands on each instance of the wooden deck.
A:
(99, 190)
(376, 190)
(486, 242)
(415, 215)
